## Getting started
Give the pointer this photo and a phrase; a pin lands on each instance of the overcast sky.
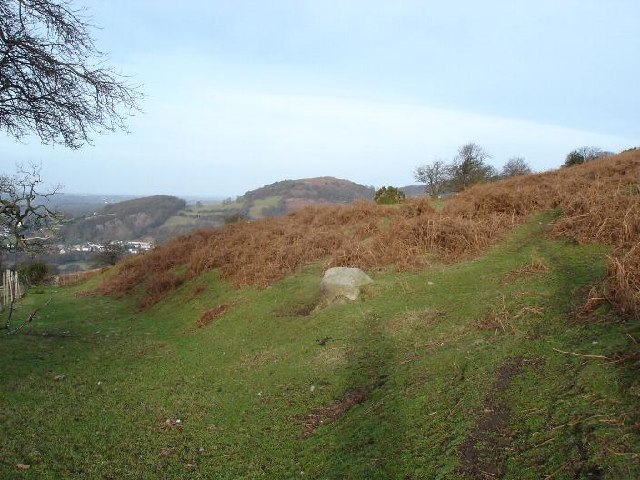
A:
(244, 93)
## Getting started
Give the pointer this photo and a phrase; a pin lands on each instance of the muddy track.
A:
(482, 452)
(329, 413)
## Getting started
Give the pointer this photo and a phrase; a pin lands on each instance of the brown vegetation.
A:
(210, 315)
(598, 201)
(535, 267)
(623, 281)
(336, 409)
(76, 277)
(323, 415)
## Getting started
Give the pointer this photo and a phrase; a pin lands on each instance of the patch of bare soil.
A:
(210, 315)
(297, 310)
(329, 413)
(305, 310)
(481, 452)
(50, 334)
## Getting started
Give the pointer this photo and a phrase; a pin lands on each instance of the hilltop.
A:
(273, 200)
(291, 195)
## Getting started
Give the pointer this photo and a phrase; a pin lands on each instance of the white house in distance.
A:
(130, 246)
(136, 247)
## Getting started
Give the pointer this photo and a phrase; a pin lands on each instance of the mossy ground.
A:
(462, 371)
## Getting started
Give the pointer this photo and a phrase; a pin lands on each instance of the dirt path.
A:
(483, 451)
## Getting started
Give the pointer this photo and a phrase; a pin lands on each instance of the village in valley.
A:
(127, 246)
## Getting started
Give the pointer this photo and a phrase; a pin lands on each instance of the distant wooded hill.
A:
(414, 190)
(128, 220)
(290, 195)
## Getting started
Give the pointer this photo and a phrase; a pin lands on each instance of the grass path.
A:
(453, 372)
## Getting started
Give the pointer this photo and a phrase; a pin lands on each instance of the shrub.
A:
(159, 287)
(574, 158)
(34, 273)
(389, 196)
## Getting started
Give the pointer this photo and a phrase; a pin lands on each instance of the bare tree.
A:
(470, 167)
(585, 154)
(52, 82)
(435, 177)
(514, 167)
(26, 222)
(593, 153)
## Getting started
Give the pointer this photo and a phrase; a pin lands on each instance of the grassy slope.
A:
(258, 206)
(449, 392)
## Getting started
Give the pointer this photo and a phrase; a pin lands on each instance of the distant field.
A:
(258, 208)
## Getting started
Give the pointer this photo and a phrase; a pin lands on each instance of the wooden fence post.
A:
(11, 288)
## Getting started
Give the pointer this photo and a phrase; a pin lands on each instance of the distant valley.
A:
(158, 218)
(136, 224)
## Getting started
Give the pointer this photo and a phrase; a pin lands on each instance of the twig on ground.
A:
(580, 354)
(28, 320)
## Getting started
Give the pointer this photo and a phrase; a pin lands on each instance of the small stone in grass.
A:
(22, 466)
(173, 422)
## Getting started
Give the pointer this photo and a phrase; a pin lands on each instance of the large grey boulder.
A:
(342, 282)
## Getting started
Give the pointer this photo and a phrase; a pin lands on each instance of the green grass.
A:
(180, 221)
(258, 206)
(199, 215)
(440, 387)
(212, 208)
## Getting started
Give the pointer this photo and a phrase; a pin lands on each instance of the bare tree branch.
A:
(28, 320)
(514, 167)
(52, 81)
(435, 177)
(26, 222)
(470, 167)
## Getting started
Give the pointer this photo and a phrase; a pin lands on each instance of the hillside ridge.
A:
(133, 219)
(287, 196)
(598, 201)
